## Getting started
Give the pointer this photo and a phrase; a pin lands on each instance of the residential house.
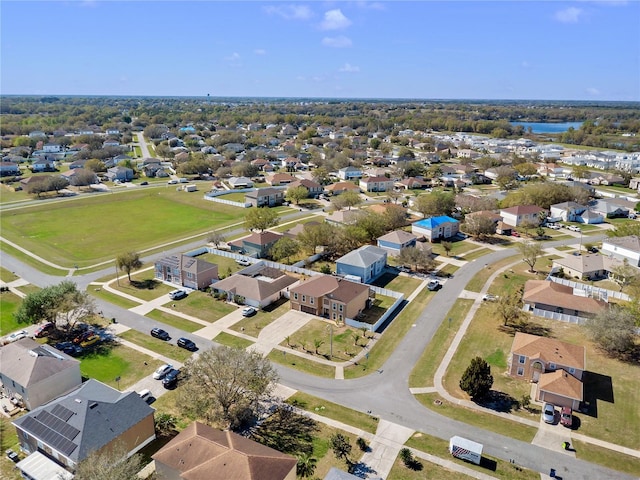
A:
(567, 211)
(343, 217)
(376, 184)
(435, 228)
(8, 169)
(340, 187)
(110, 142)
(349, 173)
(200, 452)
(298, 228)
(51, 148)
(186, 271)
(80, 176)
(330, 297)
(265, 197)
(240, 182)
(314, 188)
(280, 179)
(609, 208)
(396, 241)
(91, 418)
(35, 374)
(255, 245)
(556, 366)
(367, 263)
(522, 215)
(112, 131)
(587, 267)
(258, 285)
(43, 165)
(623, 248)
(542, 296)
(77, 164)
(412, 183)
(122, 174)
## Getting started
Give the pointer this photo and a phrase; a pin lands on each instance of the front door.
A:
(537, 370)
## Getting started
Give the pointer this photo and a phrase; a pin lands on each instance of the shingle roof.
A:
(332, 287)
(86, 419)
(363, 256)
(256, 283)
(631, 242)
(26, 362)
(200, 452)
(549, 350)
(523, 210)
(561, 383)
(398, 236)
(554, 294)
(377, 179)
(262, 238)
(342, 186)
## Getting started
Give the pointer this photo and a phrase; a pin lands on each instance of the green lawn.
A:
(398, 283)
(105, 364)
(284, 228)
(58, 231)
(203, 306)
(429, 471)
(174, 321)
(344, 347)
(7, 276)
(476, 254)
(226, 266)
(159, 346)
(607, 458)
(9, 439)
(9, 303)
(301, 363)
(229, 340)
(28, 288)
(253, 325)
(29, 260)
(334, 411)
(103, 294)
(448, 269)
(478, 281)
(233, 196)
(143, 286)
(457, 248)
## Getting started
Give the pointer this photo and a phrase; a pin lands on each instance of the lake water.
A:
(543, 127)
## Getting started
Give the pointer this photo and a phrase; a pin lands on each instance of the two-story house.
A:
(186, 271)
(567, 211)
(265, 197)
(435, 228)
(556, 367)
(314, 188)
(349, 173)
(367, 263)
(623, 248)
(330, 297)
(522, 215)
(376, 184)
(255, 245)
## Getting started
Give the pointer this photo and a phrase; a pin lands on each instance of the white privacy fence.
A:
(590, 290)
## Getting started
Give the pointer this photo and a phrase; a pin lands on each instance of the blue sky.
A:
(556, 50)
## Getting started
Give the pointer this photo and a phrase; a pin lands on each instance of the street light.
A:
(330, 327)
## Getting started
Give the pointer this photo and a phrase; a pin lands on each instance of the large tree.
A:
(346, 200)
(284, 249)
(614, 330)
(286, 431)
(227, 386)
(316, 235)
(261, 219)
(435, 204)
(341, 446)
(625, 275)
(416, 257)
(479, 225)
(296, 194)
(530, 251)
(477, 379)
(62, 304)
(128, 262)
(109, 464)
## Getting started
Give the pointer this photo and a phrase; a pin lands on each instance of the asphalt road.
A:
(385, 392)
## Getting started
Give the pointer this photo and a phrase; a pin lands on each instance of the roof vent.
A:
(78, 400)
(93, 405)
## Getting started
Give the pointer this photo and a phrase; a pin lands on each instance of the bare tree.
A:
(109, 464)
(217, 238)
(530, 251)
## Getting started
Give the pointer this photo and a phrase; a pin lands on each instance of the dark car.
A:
(69, 348)
(187, 344)
(566, 417)
(44, 330)
(171, 379)
(159, 333)
(83, 336)
(11, 455)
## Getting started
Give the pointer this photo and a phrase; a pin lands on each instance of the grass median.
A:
(302, 363)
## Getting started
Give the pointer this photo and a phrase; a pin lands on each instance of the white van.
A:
(145, 394)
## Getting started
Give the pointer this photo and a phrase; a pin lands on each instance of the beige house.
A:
(522, 215)
(587, 267)
(36, 374)
(557, 367)
(330, 297)
(186, 271)
(200, 452)
(542, 296)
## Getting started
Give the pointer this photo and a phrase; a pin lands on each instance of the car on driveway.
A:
(515, 234)
(159, 333)
(566, 417)
(433, 285)
(170, 380)
(549, 413)
(249, 311)
(69, 348)
(44, 330)
(177, 294)
(83, 336)
(553, 226)
(187, 344)
(15, 336)
(574, 228)
(244, 262)
(162, 371)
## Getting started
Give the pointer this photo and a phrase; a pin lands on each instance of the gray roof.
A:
(363, 257)
(256, 282)
(398, 236)
(85, 420)
(26, 362)
(631, 242)
(263, 192)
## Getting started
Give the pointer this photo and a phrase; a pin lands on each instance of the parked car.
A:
(433, 285)
(488, 297)
(171, 379)
(44, 330)
(11, 455)
(144, 183)
(549, 413)
(574, 228)
(159, 333)
(83, 336)
(249, 311)
(566, 417)
(177, 294)
(162, 371)
(15, 336)
(593, 249)
(172, 182)
(242, 261)
(187, 344)
(515, 234)
(91, 340)
(69, 348)
(553, 226)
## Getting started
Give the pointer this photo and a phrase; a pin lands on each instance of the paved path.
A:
(278, 330)
(385, 446)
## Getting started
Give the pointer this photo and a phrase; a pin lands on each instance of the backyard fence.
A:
(563, 317)
(213, 197)
(374, 327)
(591, 291)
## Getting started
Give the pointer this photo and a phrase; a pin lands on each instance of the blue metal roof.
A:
(434, 222)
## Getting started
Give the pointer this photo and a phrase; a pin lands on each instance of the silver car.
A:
(549, 413)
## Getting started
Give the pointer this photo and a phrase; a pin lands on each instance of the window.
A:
(334, 315)
(520, 371)
(334, 307)
(304, 298)
(522, 359)
(341, 307)
(295, 296)
(311, 300)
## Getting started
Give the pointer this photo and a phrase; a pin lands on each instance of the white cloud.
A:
(593, 91)
(569, 15)
(337, 42)
(334, 20)
(347, 67)
(260, 51)
(290, 12)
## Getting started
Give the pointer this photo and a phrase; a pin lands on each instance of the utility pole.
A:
(117, 276)
(330, 327)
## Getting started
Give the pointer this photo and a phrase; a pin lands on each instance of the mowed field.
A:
(94, 229)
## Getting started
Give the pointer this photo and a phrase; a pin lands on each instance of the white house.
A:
(349, 173)
(623, 248)
(367, 263)
(522, 214)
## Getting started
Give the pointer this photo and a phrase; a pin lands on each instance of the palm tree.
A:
(306, 465)
(317, 343)
(356, 337)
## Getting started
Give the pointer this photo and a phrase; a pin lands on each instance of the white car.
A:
(162, 371)
(487, 297)
(553, 226)
(249, 311)
(573, 228)
(243, 262)
(15, 336)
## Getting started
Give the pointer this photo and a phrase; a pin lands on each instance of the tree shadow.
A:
(596, 387)
(526, 327)
(361, 470)
(499, 402)
(148, 284)
(286, 431)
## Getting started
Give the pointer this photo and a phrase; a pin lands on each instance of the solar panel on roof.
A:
(57, 425)
(48, 436)
(63, 413)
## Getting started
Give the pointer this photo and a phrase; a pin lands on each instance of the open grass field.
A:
(9, 303)
(7, 276)
(156, 345)
(120, 361)
(397, 283)
(203, 306)
(93, 229)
